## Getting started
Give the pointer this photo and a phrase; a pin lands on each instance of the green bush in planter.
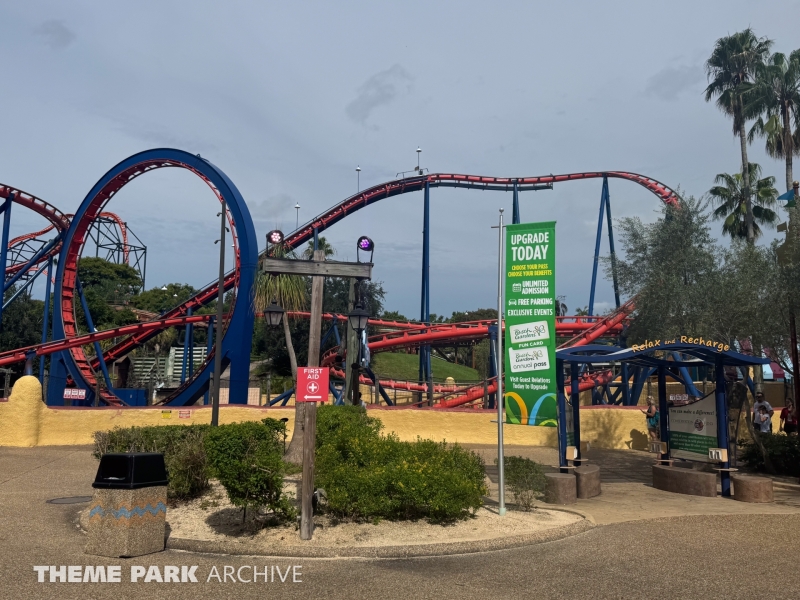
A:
(783, 451)
(367, 476)
(181, 445)
(525, 480)
(247, 458)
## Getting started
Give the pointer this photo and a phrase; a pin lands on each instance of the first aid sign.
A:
(312, 384)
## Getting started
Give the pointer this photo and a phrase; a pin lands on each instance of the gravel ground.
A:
(212, 517)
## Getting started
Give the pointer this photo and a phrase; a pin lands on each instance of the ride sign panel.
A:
(312, 384)
(530, 317)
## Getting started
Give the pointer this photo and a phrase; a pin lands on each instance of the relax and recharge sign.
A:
(530, 316)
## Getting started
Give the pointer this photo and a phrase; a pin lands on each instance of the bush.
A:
(525, 480)
(783, 451)
(247, 458)
(369, 476)
(181, 445)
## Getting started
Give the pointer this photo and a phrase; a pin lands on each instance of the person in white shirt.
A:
(762, 423)
(759, 403)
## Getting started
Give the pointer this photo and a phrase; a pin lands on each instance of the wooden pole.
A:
(310, 422)
(351, 346)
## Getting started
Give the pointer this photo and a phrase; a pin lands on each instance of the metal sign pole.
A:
(501, 481)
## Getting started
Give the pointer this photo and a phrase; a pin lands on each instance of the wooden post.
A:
(310, 422)
(351, 347)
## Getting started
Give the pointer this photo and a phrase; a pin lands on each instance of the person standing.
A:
(789, 418)
(652, 418)
(762, 403)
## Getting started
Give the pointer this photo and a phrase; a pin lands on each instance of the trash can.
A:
(128, 514)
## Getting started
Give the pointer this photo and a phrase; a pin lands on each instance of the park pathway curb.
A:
(409, 551)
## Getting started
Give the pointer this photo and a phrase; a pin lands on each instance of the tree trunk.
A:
(748, 198)
(294, 453)
(788, 148)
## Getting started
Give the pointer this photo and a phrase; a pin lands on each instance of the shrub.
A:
(525, 480)
(247, 458)
(369, 476)
(783, 451)
(182, 446)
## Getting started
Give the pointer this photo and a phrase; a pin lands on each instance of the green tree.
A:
(731, 70)
(393, 315)
(21, 327)
(731, 205)
(776, 97)
(291, 293)
(94, 272)
(672, 267)
(161, 299)
(322, 244)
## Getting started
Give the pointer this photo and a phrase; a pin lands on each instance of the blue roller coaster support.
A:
(603, 199)
(492, 361)
(90, 324)
(425, 299)
(209, 348)
(188, 347)
(46, 319)
(515, 216)
(6, 210)
(611, 242)
(22, 288)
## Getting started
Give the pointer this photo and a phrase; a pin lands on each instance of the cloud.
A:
(55, 34)
(670, 82)
(273, 208)
(378, 90)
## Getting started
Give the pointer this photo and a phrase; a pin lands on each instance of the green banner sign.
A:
(693, 429)
(530, 316)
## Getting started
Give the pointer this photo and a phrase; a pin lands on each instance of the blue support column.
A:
(316, 239)
(722, 427)
(46, 318)
(626, 390)
(562, 413)
(575, 400)
(492, 361)
(209, 347)
(425, 298)
(603, 197)
(98, 350)
(515, 216)
(187, 347)
(662, 408)
(6, 210)
(611, 241)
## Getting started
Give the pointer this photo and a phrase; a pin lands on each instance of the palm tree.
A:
(729, 198)
(731, 70)
(776, 95)
(322, 244)
(289, 291)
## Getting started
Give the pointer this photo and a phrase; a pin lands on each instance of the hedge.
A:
(369, 476)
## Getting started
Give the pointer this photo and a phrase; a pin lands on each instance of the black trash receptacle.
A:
(128, 513)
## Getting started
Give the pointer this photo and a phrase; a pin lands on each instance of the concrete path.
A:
(628, 494)
(701, 556)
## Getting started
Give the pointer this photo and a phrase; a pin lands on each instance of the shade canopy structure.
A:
(661, 357)
(688, 355)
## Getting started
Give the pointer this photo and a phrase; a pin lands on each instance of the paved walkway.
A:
(628, 494)
(708, 555)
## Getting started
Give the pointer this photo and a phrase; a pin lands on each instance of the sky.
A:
(289, 98)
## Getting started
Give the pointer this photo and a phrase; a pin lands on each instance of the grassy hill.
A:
(406, 366)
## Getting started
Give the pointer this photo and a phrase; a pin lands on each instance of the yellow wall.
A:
(26, 421)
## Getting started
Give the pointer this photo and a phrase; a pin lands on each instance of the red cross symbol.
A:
(313, 387)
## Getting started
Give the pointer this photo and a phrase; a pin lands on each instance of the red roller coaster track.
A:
(407, 334)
